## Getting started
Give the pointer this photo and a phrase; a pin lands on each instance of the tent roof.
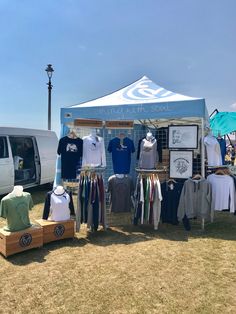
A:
(223, 123)
(143, 90)
(139, 100)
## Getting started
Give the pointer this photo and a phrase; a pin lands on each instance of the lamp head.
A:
(49, 71)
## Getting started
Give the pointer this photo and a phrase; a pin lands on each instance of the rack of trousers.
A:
(91, 203)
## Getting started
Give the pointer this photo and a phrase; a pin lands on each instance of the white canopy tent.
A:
(142, 102)
(142, 99)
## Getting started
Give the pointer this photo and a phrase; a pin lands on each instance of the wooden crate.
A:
(19, 241)
(57, 230)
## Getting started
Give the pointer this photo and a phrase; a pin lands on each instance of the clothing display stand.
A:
(91, 202)
(148, 197)
(56, 230)
(19, 241)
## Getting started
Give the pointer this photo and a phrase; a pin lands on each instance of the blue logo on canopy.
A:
(145, 90)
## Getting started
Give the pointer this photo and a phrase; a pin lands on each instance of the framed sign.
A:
(183, 136)
(119, 124)
(92, 123)
(181, 164)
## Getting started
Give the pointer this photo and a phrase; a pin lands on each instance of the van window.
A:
(23, 154)
(3, 147)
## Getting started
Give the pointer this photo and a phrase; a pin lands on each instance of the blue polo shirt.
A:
(121, 154)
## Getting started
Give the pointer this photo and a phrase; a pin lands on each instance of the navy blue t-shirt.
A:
(121, 154)
(71, 151)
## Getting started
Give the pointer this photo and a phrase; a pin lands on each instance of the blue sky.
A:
(99, 46)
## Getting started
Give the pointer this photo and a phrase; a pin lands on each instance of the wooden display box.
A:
(57, 230)
(19, 241)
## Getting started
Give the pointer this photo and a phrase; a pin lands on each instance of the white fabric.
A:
(157, 203)
(143, 90)
(142, 199)
(17, 162)
(214, 157)
(223, 192)
(59, 208)
(93, 151)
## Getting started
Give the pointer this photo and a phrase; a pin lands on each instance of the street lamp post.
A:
(49, 71)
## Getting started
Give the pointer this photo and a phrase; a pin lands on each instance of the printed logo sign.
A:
(25, 240)
(145, 89)
(59, 231)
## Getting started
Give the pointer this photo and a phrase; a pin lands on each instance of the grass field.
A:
(125, 269)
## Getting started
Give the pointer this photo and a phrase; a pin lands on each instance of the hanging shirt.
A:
(222, 144)
(121, 190)
(148, 153)
(195, 199)
(121, 154)
(213, 151)
(171, 192)
(223, 192)
(16, 210)
(58, 207)
(71, 150)
(93, 151)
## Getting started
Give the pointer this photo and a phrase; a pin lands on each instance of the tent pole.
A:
(202, 151)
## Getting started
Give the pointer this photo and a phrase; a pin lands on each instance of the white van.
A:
(27, 157)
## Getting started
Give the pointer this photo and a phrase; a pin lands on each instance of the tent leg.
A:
(202, 151)
(203, 224)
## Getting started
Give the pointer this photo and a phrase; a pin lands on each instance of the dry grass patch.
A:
(125, 270)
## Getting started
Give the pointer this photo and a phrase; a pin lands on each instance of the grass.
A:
(125, 269)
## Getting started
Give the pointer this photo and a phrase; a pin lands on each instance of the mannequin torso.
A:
(59, 190)
(17, 190)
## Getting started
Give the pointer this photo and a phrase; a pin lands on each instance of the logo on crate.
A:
(25, 240)
(59, 231)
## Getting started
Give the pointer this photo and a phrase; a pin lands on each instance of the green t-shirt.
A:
(16, 210)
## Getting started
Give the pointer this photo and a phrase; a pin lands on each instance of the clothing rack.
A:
(92, 169)
(147, 199)
(91, 207)
(152, 171)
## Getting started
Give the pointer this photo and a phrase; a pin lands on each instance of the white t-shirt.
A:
(214, 157)
(59, 208)
(223, 192)
(93, 151)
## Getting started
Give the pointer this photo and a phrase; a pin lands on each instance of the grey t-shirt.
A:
(121, 190)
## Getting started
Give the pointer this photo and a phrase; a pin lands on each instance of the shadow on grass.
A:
(223, 228)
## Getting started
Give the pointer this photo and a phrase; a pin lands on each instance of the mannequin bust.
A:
(59, 190)
(17, 190)
(93, 133)
(149, 136)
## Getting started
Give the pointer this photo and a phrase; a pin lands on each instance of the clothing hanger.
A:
(197, 176)
(219, 137)
(120, 175)
(220, 172)
(72, 134)
(122, 135)
(171, 181)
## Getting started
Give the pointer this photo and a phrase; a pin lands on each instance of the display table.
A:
(19, 241)
(57, 230)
